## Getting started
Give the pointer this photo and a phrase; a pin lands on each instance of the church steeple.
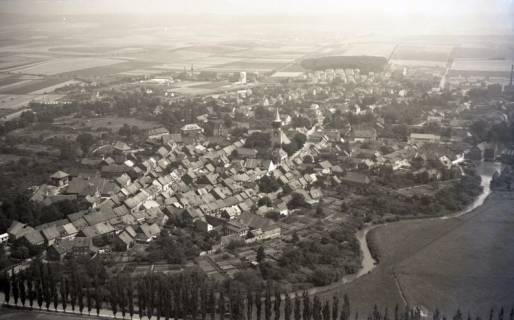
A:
(277, 123)
(276, 132)
(277, 140)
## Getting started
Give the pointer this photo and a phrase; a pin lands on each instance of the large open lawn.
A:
(465, 262)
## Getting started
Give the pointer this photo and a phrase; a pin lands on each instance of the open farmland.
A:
(418, 63)
(113, 123)
(481, 67)
(206, 87)
(430, 53)
(14, 102)
(63, 65)
(54, 87)
(142, 72)
(374, 49)
(14, 61)
(30, 86)
(472, 52)
(462, 263)
(251, 65)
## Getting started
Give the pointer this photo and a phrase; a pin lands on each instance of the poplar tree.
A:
(89, 301)
(326, 311)
(15, 288)
(306, 306)
(287, 307)
(278, 302)
(55, 294)
(316, 308)
(39, 293)
(122, 298)
(73, 293)
(335, 307)
(212, 304)
(267, 303)
(31, 292)
(64, 294)
(258, 305)
(221, 307)
(346, 306)
(150, 293)
(203, 302)
(249, 305)
(98, 296)
(141, 299)
(23, 292)
(80, 298)
(113, 298)
(7, 287)
(297, 308)
(130, 298)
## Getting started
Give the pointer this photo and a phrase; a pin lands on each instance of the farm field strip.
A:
(63, 65)
(14, 85)
(54, 87)
(482, 65)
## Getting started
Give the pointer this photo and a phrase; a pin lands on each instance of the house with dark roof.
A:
(355, 178)
(192, 214)
(33, 238)
(123, 241)
(17, 230)
(100, 233)
(364, 135)
(80, 223)
(246, 153)
(157, 133)
(50, 234)
(60, 179)
(191, 129)
(147, 232)
(75, 247)
(135, 202)
(261, 228)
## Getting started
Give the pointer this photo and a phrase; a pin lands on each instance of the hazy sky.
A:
(292, 7)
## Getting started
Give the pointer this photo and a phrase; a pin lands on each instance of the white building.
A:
(4, 237)
(242, 77)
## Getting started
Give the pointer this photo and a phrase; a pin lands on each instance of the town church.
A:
(278, 139)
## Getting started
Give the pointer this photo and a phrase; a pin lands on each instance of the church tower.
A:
(276, 132)
(277, 140)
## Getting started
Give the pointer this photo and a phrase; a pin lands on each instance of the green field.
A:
(465, 262)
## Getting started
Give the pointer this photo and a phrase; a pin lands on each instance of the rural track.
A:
(400, 289)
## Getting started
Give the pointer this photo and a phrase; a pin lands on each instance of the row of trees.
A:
(188, 295)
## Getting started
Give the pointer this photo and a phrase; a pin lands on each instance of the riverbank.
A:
(369, 246)
(464, 260)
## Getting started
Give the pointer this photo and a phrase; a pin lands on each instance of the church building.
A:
(278, 139)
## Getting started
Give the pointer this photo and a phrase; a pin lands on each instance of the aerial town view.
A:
(250, 160)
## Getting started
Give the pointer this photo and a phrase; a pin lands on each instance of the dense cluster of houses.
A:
(208, 187)
(211, 182)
